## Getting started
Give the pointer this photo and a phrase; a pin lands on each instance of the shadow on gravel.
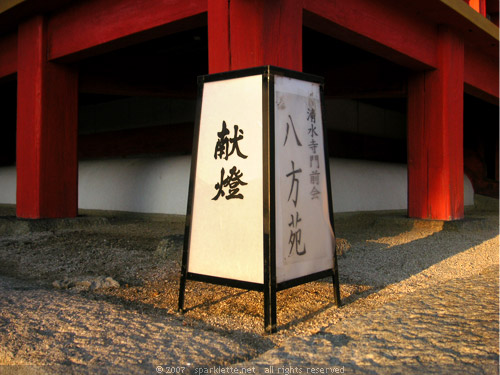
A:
(244, 337)
(387, 248)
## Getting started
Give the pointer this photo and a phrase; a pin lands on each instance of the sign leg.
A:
(182, 292)
(335, 279)
(270, 324)
(182, 284)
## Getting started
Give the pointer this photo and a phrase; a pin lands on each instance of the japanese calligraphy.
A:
(303, 230)
(295, 183)
(313, 159)
(312, 145)
(233, 180)
(222, 145)
(295, 236)
(224, 148)
(315, 193)
(311, 115)
(312, 131)
(294, 132)
(314, 175)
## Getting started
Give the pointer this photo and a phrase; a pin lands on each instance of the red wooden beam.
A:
(384, 28)
(479, 6)
(378, 27)
(47, 118)
(481, 75)
(435, 135)
(8, 55)
(266, 33)
(93, 26)
(482, 7)
(219, 50)
(474, 28)
(13, 12)
(249, 33)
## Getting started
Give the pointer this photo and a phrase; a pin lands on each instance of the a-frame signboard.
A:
(260, 213)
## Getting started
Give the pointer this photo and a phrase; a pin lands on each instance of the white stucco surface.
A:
(368, 186)
(7, 185)
(160, 185)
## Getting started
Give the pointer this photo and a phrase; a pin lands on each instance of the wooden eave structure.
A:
(450, 47)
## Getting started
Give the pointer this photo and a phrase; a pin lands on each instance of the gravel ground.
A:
(451, 328)
(79, 320)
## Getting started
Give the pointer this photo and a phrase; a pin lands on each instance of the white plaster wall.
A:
(360, 185)
(8, 185)
(154, 185)
(367, 186)
(160, 185)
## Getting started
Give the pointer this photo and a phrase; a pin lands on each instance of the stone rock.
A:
(170, 247)
(63, 284)
(104, 283)
(86, 283)
(342, 246)
(57, 284)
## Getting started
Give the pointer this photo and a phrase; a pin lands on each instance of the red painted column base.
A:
(435, 135)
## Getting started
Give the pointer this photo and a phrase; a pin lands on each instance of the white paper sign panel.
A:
(227, 234)
(304, 239)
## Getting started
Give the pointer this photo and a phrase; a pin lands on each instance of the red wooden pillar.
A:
(249, 33)
(479, 6)
(47, 118)
(435, 135)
